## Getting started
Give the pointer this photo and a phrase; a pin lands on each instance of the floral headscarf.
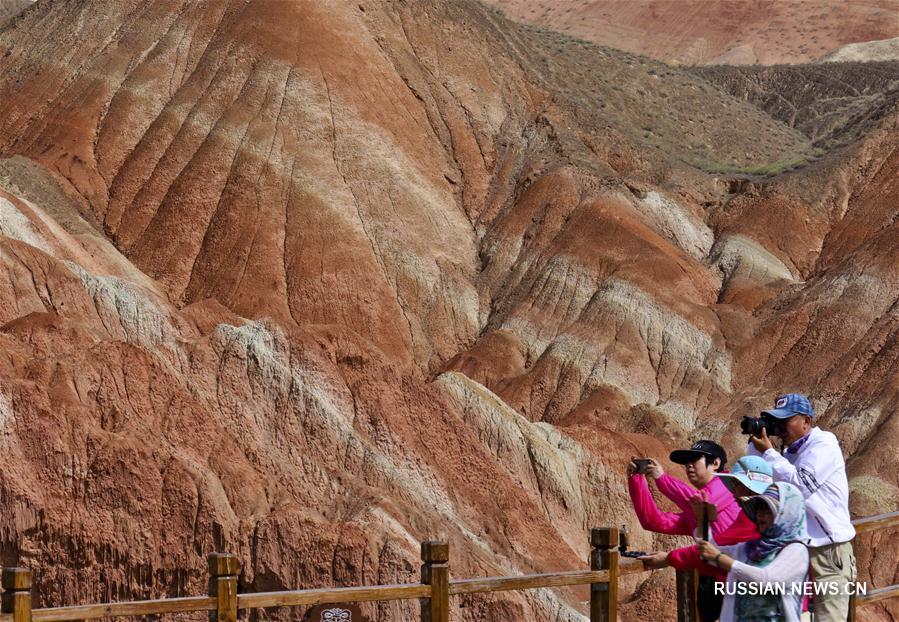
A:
(788, 508)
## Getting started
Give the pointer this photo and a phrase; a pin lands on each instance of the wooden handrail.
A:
(629, 565)
(131, 608)
(290, 598)
(880, 521)
(527, 581)
(881, 593)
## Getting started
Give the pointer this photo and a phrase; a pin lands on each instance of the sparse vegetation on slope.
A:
(663, 107)
(832, 104)
(733, 32)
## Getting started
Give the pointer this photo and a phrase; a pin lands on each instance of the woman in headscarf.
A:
(764, 576)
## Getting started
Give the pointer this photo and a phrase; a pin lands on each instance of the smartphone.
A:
(633, 553)
(643, 465)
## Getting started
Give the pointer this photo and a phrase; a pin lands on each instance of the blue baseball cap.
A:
(751, 471)
(790, 404)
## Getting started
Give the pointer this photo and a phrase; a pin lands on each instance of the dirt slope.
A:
(316, 284)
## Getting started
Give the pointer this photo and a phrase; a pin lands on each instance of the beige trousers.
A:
(832, 564)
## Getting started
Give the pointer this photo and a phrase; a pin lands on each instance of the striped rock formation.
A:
(312, 283)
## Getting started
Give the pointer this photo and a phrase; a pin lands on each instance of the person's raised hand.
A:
(655, 560)
(655, 470)
(631, 466)
(697, 502)
(761, 442)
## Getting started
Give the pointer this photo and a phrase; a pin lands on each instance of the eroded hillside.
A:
(317, 283)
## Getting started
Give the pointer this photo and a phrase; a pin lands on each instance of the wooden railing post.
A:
(223, 571)
(686, 595)
(17, 593)
(435, 572)
(604, 556)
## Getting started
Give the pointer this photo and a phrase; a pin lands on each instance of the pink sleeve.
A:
(741, 530)
(651, 518)
(728, 508)
(676, 490)
(687, 558)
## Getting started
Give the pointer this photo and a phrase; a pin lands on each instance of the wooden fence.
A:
(865, 525)
(223, 600)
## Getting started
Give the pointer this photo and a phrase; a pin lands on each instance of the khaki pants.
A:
(834, 563)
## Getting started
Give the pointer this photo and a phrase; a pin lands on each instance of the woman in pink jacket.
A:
(701, 462)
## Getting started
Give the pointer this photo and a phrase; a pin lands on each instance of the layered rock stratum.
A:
(315, 282)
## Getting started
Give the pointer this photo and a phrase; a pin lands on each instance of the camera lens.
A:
(754, 425)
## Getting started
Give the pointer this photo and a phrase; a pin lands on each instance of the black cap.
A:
(699, 448)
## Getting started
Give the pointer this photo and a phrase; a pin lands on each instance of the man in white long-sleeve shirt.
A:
(813, 462)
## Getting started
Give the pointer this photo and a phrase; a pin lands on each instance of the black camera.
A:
(754, 425)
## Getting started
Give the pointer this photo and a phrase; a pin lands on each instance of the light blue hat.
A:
(790, 404)
(751, 471)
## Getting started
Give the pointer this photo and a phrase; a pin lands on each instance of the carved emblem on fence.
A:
(334, 613)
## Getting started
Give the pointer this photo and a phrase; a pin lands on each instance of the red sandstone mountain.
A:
(736, 32)
(314, 284)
